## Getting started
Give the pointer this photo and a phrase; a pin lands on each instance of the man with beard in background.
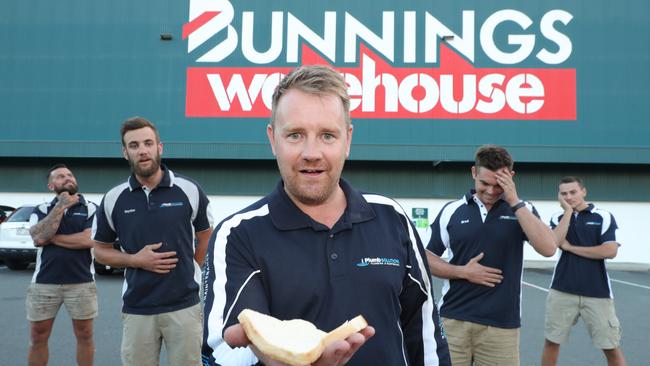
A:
(63, 274)
(157, 215)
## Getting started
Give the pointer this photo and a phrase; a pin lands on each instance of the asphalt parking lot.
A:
(632, 298)
(631, 291)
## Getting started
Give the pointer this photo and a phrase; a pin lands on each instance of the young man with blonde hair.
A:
(303, 251)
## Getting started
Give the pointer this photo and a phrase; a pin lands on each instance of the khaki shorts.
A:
(599, 314)
(44, 300)
(482, 344)
(181, 330)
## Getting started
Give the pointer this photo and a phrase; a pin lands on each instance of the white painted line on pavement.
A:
(535, 286)
(630, 283)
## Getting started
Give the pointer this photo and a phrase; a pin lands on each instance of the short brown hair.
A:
(313, 79)
(136, 123)
(571, 179)
(493, 157)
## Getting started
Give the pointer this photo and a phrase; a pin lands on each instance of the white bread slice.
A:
(296, 342)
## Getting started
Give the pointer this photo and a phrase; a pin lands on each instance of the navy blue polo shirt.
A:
(466, 228)
(273, 258)
(56, 264)
(579, 275)
(170, 213)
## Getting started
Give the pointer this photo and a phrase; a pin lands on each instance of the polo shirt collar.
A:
(166, 181)
(469, 199)
(287, 216)
(590, 207)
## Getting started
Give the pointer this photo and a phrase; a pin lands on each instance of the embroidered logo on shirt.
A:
(171, 204)
(79, 214)
(464, 221)
(592, 223)
(364, 262)
(131, 210)
(506, 217)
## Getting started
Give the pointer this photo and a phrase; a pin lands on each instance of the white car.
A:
(17, 248)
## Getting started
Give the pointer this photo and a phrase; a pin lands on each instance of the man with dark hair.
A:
(64, 268)
(580, 286)
(157, 216)
(480, 304)
(318, 249)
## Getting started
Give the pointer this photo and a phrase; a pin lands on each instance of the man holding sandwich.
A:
(319, 250)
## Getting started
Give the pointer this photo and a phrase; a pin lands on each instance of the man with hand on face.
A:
(157, 215)
(484, 233)
(64, 268)
(318, 249)
(581, 287)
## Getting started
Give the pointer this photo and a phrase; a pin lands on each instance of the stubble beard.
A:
(309, 197)
(310, 194)
(72, 189)
(145, 172)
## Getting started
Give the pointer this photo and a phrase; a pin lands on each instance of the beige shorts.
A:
(483, 345)
(181, 330)
(44, 300)
(599, 314)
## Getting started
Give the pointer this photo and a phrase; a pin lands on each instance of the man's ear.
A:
(350, 130)
(124, 154)
(474, 172)
(269, 134)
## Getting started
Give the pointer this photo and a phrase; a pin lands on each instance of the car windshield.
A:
(21, 214)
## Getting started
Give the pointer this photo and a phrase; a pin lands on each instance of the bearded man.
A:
(157, 215)
(64, 268)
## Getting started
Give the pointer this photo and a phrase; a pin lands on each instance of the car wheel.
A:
(16, 265)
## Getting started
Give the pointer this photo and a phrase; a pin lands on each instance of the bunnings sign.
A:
(400, 63)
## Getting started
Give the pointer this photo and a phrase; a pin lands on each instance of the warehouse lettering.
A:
(378, 90)
(416, 93)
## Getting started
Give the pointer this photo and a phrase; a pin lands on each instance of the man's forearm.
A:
(603, 251)
(203, 238)
(539, 235)
(106, 254)
(562, 227)
(442, 269)
(74, 241)
(43, 232)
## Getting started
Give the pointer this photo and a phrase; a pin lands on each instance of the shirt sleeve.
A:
(92, 210)
(437, 244)
(420, 321)
(555, 219)
(232, 282)
(34, 218)
(38, 213)
(102, 230)
(608, 232)
(532, 209)
(203, 220)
